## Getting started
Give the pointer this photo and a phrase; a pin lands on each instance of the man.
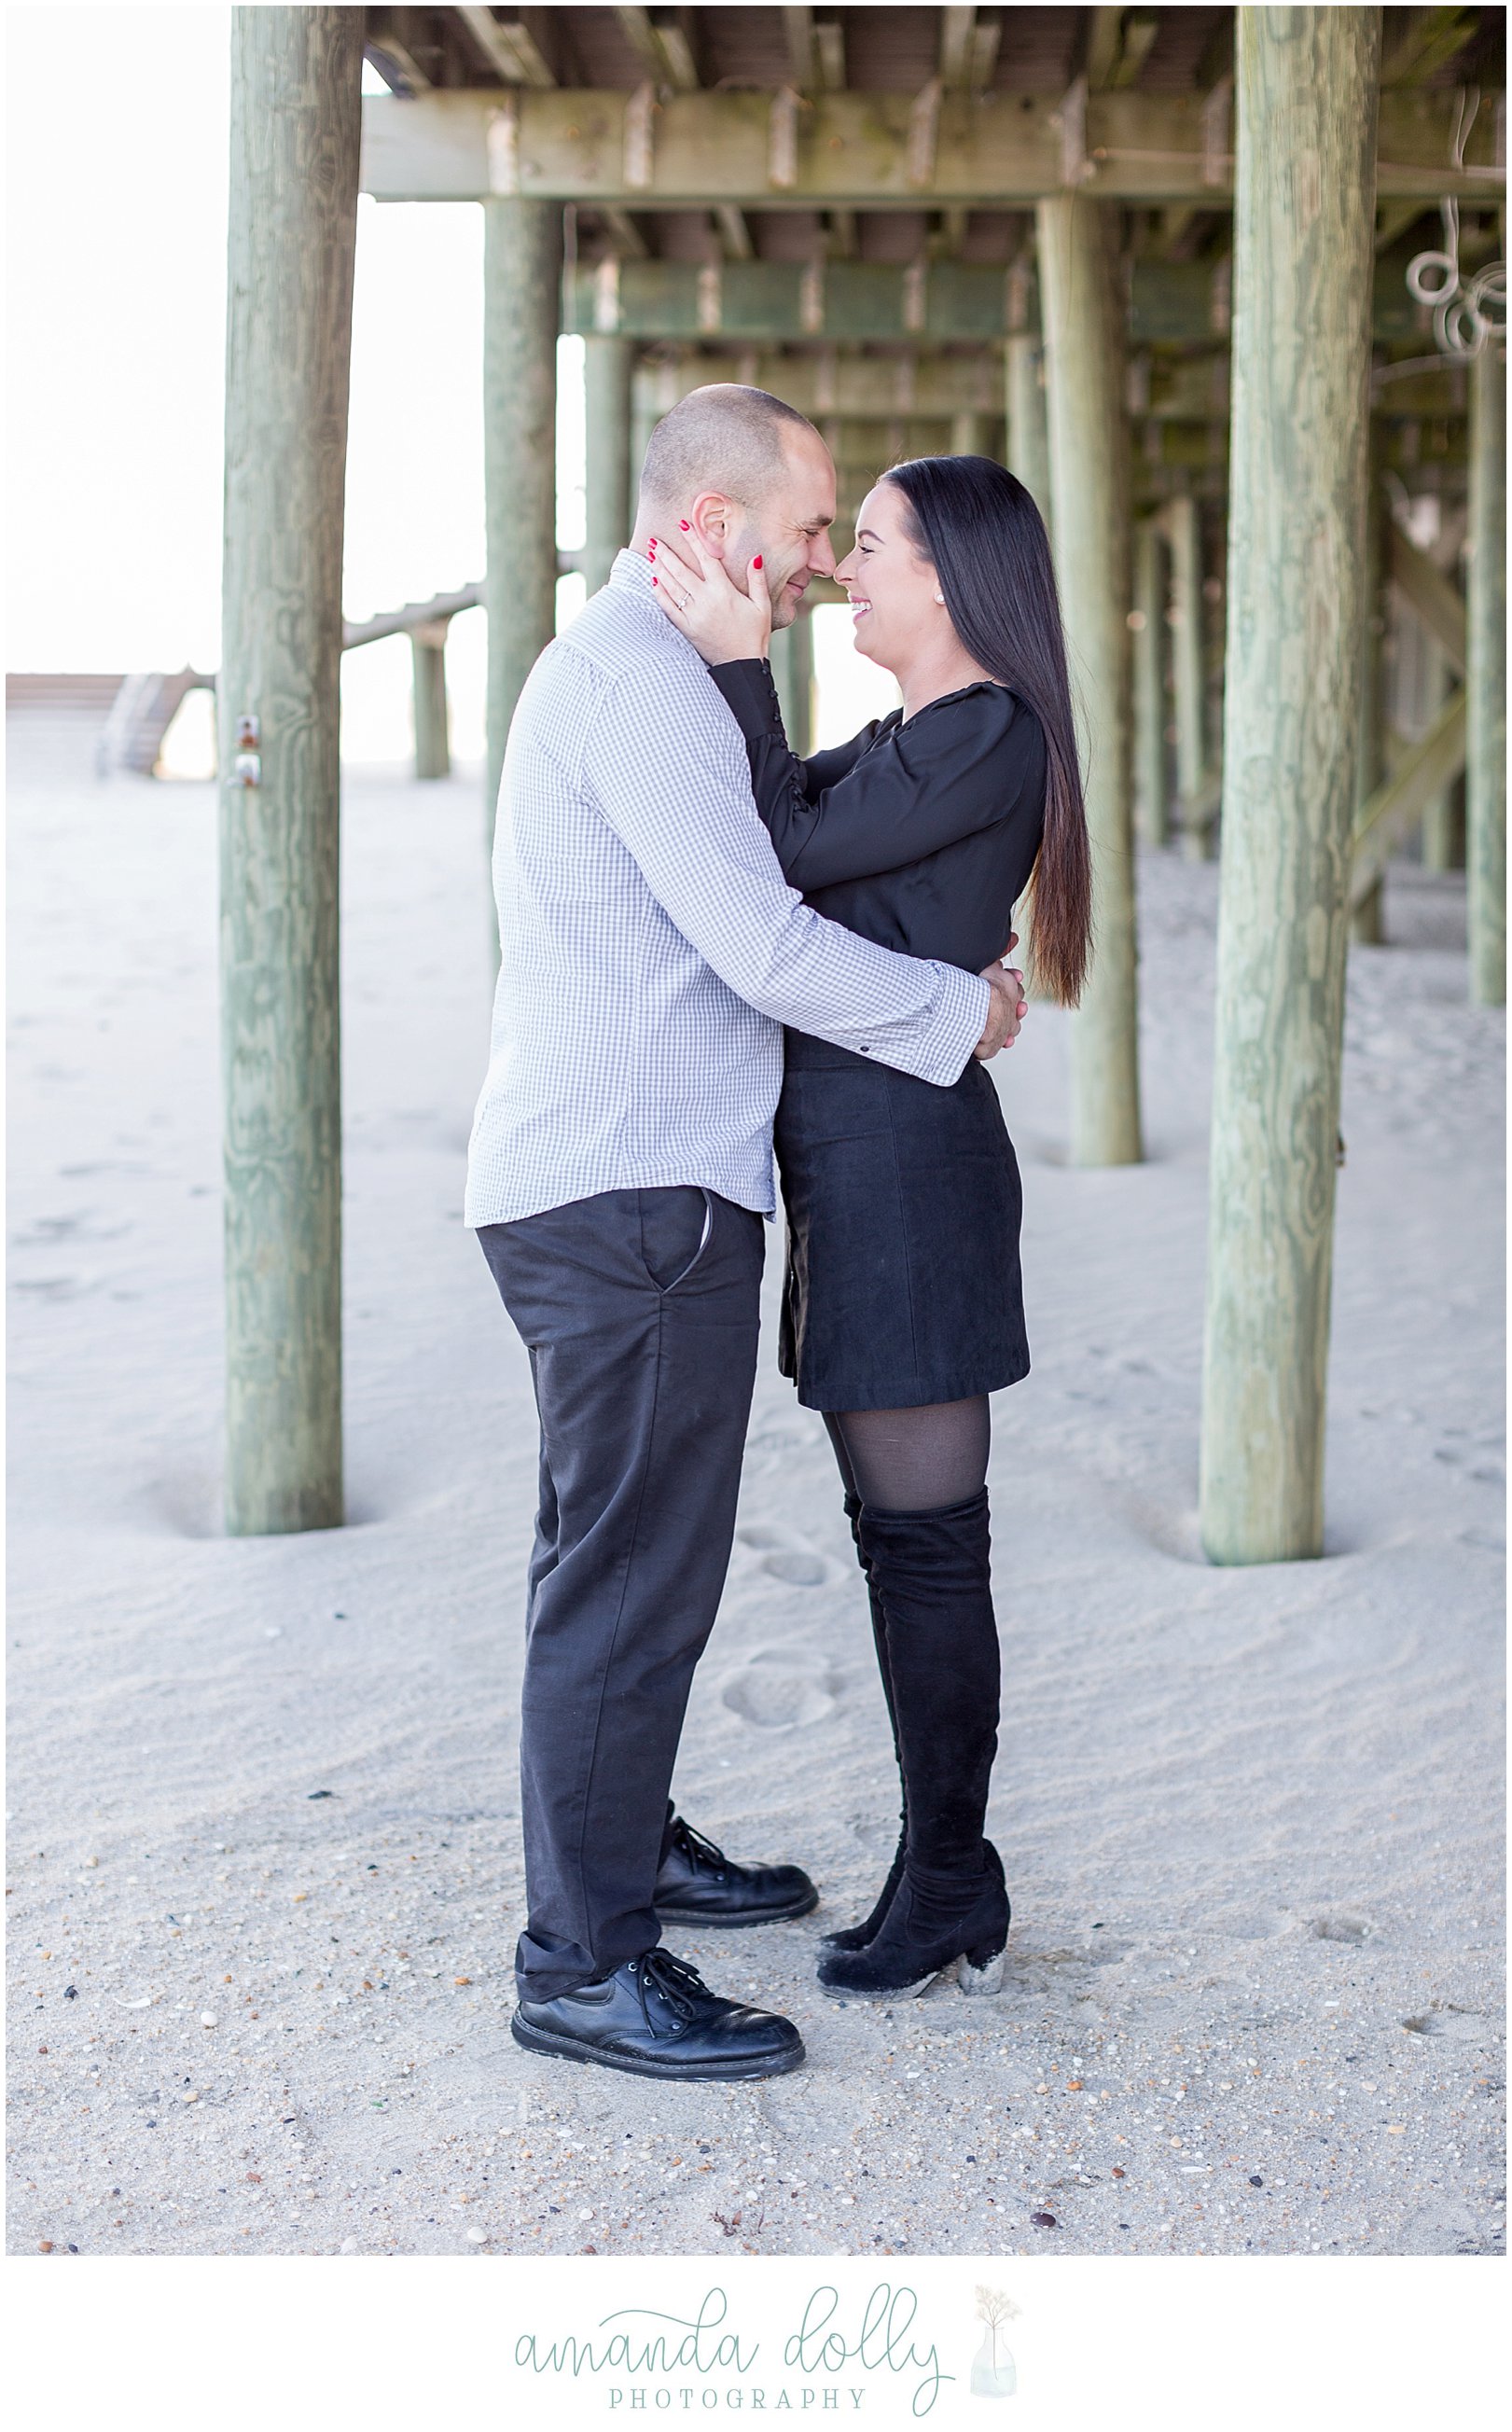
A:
(619, 1172)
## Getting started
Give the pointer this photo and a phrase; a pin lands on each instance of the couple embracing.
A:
(709, 947)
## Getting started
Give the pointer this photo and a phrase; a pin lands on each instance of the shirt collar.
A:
(631, 571)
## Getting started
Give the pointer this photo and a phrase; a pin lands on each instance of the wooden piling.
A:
(1090, 529)
(1024, 402)
(1188, 676)
(1485, 679)
(432, 734)
(1305, 191)
(522, 276)
(792, 664)
(1151, 806)
(607, 370)
(1368, 919)
(295, 123)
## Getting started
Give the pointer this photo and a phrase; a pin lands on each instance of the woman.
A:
(904, 1306)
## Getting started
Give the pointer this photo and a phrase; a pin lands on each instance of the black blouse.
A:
(919, 834)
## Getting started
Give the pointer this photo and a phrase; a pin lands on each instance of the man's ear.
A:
(712, 514)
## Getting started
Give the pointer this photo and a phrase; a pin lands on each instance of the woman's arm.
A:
(959, 766)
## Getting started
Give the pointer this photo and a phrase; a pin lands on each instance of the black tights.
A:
(912, 1460)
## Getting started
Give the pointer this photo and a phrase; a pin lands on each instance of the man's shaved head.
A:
(752, 477)
(723, 437)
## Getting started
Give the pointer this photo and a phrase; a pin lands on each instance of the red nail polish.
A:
(757, 563)
(685, 526)
(653, 582)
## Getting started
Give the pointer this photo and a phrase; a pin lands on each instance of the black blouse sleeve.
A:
(859, 811)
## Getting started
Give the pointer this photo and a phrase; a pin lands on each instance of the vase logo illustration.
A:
(994, 2373)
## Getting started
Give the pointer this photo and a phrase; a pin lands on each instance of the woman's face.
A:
(893, 590)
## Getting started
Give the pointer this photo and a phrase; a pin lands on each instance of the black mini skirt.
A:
(903, 1211)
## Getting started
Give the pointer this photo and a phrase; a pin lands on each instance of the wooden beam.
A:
(624, 232)
(1394, 219)
(734, 233)
(1306, 84)
(389, 39)
(958, 31)
(662, 48)
(861, 388)
(509, 46)
(1425, 768)
(859, 149)
(803, 58)
(294, 132)
(830, 43)
(1485, 775)
(415, 613)
(1090, 531)
(1433, 38)
(1140, 31)
(1103, 44)
(1431, 599)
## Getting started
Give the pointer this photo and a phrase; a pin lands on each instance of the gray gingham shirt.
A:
(651, 948)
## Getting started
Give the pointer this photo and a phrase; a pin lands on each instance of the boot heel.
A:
(980, 1971)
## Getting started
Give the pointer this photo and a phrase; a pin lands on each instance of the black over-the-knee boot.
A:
(855, 1937)
(931, 1572)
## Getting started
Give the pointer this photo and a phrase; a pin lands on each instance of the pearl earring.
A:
(940, 600)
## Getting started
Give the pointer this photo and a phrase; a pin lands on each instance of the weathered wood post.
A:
(1368, 920)
(968, 433)
(1486, 680)
(608, 366)
(432, 737)
(1188, 675)
(1090, 529)
(1149, 655)
(1305, 205)
(522, 277)
(1150, 682)
(792, 663)
(294, 137)
(1024, 401)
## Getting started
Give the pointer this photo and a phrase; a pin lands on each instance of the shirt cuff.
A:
(961, 1014)
(748, 687)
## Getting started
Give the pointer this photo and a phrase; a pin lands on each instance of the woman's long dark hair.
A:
(984, 537)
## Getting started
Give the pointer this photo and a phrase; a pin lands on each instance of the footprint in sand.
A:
(788, 1556)
(782, 1688)
(1451, 2025)
(1341, 1929)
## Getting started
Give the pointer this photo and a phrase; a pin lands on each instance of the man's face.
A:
(789, 530)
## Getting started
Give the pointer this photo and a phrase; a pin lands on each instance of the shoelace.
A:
(695, 1847)
(673, 1978)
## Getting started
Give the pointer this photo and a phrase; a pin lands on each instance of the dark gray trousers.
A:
(640, 1311)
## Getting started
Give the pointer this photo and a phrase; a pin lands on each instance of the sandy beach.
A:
(264, 1876)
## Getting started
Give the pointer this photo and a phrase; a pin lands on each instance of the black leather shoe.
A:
(698, 1885)
(657, 2018)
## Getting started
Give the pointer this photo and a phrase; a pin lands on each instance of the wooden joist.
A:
(1425, 769)
(854, 149)
(1171, 303)
(1433, 600)
(509, 46)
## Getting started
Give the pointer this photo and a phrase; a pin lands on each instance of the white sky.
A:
(117, 268)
